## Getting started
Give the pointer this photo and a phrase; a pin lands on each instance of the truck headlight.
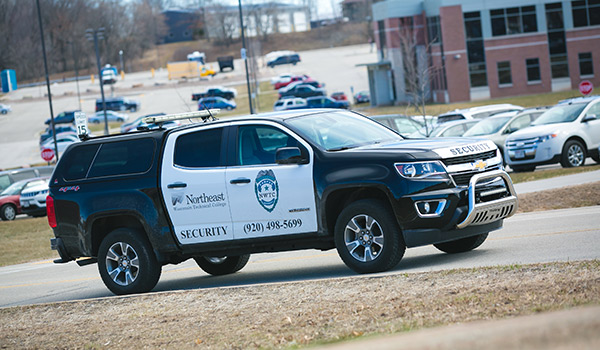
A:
(422, 171)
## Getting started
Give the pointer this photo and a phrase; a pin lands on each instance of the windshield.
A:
(487, 126)
(560, 114)
(17, 187)
(336, 131)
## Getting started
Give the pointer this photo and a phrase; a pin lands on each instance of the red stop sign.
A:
(47, 154)
(586, 87)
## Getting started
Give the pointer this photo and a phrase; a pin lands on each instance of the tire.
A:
(133, 109)
(96, 121)
(573, 154)
(367, 237)
(4, 112)
(462, 245)
(8, 212)
(523, 168)
(218, 266)
(228, 108)
(130, 249)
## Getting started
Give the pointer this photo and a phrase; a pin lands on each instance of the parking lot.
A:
(20, 129)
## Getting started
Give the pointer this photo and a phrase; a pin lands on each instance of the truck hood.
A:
(442, 147)
(538, 130)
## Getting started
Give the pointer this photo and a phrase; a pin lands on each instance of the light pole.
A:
(95, 34)
(47, 79)
(121, 59)
(243, 54)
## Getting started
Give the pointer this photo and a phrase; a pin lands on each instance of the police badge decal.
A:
(266, 189)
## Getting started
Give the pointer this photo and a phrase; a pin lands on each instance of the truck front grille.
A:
(470, 158)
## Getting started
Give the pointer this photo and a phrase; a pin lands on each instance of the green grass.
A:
(24, 240)
(550, 173)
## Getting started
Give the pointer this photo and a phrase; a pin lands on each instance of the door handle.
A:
(241, 180)
(177, 185)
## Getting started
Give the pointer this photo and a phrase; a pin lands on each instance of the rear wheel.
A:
(368, 238)
(462, 245)
(8, 212)
(573, 154)
(225, 265)
(127, 263)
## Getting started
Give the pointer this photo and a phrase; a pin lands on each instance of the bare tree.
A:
(223, 24)
(418, 71)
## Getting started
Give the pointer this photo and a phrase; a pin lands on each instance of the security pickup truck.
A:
(217, 191)
(226, 93)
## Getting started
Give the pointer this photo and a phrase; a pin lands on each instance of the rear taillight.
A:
(50, 211)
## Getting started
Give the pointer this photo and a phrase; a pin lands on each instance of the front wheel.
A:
(462, 245)
(368, 238)
(225, 265)
(573, 154)
(127, 263)
(228, 108)
(8, 212)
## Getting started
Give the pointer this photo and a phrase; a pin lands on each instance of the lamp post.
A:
(47, 79)
(243, 54)
(94, 35)
(121, 60)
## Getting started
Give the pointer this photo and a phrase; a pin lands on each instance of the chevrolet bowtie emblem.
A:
(479, 165)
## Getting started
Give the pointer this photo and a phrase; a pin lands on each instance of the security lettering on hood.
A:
(463, 150)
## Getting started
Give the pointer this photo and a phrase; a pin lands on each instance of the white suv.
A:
(566, 133)
(479, 112)
(33, 200)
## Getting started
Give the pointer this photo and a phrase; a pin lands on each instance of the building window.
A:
(434, 34)
(382, 41)
(514, 20)
(586, 13)
(504, 76)
(585, 64)
(475, 49)
(557, 42)
(533, 69)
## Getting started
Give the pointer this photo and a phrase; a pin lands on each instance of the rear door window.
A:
(123, 157)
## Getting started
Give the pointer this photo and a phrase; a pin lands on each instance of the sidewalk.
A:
(569, 329)
(557, 182)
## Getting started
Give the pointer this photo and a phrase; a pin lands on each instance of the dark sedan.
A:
(303, 91)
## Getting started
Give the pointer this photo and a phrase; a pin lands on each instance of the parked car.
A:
(109, 74)
(454, 128)
(10, 205)
(479, 112)
(63, 118)
(33, 199)
(111, 116)
(339, 96)
(499, 126)
(216, 102)
(59, 129)
(282, 57)
(133, 125)
(289, 103)
(362, 97)
(8, 177)
(4, 108)
(402, 124)
(293, 84)
(226, 93)
(293, 79)
(302, 91)
(118, 104)
(325, 102)
(281, 78)
(567, 134)
(63, 141)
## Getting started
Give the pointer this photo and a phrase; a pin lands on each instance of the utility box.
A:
(9, 80)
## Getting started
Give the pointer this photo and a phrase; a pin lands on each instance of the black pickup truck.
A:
(218, 191)
(228, 94)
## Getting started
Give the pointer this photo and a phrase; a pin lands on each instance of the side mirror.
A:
(507, 131)
(589, 118)
(289, 155)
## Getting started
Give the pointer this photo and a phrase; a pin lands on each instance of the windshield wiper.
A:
(342, 148)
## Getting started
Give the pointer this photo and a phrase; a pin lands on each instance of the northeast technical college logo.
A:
(176, 198)
(266, 189)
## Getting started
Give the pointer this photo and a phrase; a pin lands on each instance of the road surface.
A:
(558, 235)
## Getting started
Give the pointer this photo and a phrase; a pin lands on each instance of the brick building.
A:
(479, 49)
